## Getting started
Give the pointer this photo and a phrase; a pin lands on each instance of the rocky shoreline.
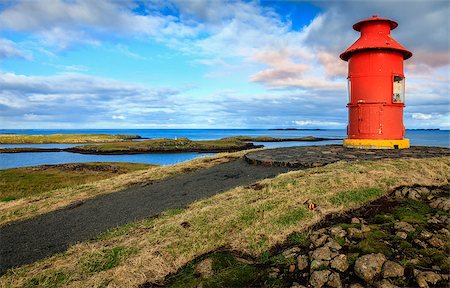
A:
(401, 240)
(247, 146)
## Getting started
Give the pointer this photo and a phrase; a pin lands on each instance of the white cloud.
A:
(318, 123)
(118, 117)
(9, 49)
(422, 116)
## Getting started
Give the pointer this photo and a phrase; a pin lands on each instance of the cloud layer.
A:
(293, 77)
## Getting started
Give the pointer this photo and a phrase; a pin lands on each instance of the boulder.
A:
(334, 280)
(401, 234)
(435, 242)
(337, 231)
(403, 226)
(340, 263)
(302, 262)
(392, 269)
(425, 234)
(385, 284)
(291, 252)
(317, 264)
(441, 203)
(318, 239)
(319, 278)
(368, 267)
(354, 233)
(427, 277)
(323, 253)
(204, 268)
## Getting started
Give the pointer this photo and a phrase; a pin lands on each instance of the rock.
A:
(434, 220)
(423, 191)
(337, 231)
(392, 270)
(204, 268)
(385, 284)
(424, 278)
(441, 203)
(319, 278)
(420, 243)
(403, 226)
(444, 232)
(340, 263)
(291, 268)
(302, 262)
(334, 280)
(413, 194)
(296, 285)
(323, 253)
(354, 233)
(355, 221)
(274, 272)
(356, 285)
(435, 242)
(368, 267)
(333, 245)
(318, 240)
(291, 252)
(425, 234)
(401, 234)
(317, 264)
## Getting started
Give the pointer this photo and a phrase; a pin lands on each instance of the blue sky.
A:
(205, 64)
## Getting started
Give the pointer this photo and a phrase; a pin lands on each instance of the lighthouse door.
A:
(370, 119)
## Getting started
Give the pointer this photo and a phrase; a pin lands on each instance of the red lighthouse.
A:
(376, 87)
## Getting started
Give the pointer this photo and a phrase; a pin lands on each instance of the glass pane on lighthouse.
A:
(398, 94)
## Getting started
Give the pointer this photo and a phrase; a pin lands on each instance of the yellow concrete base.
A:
(376, 144)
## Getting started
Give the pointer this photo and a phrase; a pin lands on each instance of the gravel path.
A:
(30, 240)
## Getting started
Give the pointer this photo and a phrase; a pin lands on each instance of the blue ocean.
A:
(417, 138)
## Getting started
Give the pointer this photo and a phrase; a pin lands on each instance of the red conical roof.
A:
(375, 34)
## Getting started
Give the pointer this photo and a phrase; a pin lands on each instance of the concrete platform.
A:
(315, 156)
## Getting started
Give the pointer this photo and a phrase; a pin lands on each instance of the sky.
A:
(74, 64)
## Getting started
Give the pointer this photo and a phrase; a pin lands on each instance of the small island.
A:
(64, 138)
(123, 144)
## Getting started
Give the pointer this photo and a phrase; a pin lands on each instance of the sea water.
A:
(11, 160)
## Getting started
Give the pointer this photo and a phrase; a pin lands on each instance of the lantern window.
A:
(398, 91)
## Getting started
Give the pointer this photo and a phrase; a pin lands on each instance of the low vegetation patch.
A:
(12, 209)
(163, 145)
(63, 138)
(167, 243)
(23, 182)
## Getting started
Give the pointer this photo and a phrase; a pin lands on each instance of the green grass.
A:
(228, 272)
(63, 138)
(356, 196)
(293, 216)
(165, 145)
(51, 279)
(105, 259)
(18, 183)
(299, 239)
(413, 212)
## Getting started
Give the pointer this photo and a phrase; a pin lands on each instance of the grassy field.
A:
(34, 205)
(63, 138)
(163, 145)
(17, 183)
(273, 139)
(248, 220)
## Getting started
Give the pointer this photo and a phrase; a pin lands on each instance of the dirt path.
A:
(30, 240)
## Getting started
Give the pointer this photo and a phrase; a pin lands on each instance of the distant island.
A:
(299, 129)
(123, 144)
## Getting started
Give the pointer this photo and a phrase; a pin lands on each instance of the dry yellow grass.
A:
(243, 219)
(43, 203)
